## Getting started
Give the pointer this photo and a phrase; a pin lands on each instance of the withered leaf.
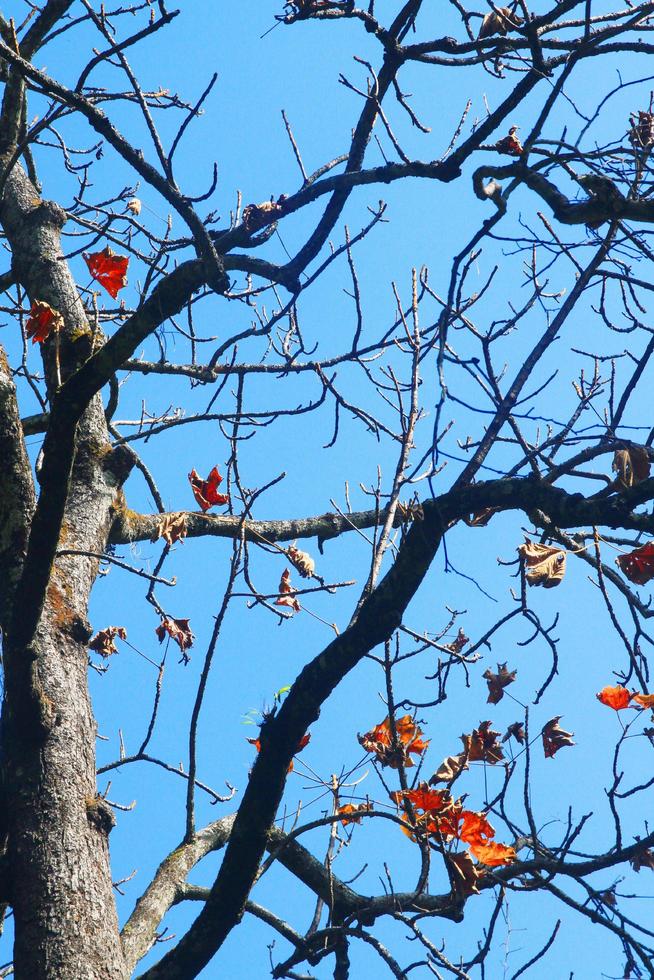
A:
(463, 874)
(641, 134)
(302, 561)
(458, 644)
(103, 641)
(555, 737)
(449, 768)
(256, 216)
(179, 631)
(497, 682)
(171, 527)
(642, 859)
(482, 745)
(287, 598)
(500, 22)
(510, 144)
(631, 465)
(638, 565)
(517, 731)
(544, 565)
(481, 517)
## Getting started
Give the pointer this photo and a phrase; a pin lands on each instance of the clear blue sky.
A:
(242, 130)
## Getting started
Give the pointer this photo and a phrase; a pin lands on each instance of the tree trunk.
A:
(57, 861)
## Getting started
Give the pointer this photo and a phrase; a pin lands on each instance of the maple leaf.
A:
(109, 269)
(206, 491)
(638, 565)
(171, 527)
(632, 466)
(463, 874)
(644, 700)
(42, 321)
(449, 768)
(476, 828)
(617, 697)
(497, 682)
(510, 144)
(555, 737)
(482, 745)
(288, 593)
(134, 206)
(493, 854)
(304, 741)
(351, 813)
(303, 562)
(380, 741)
(544, 565)
(179, 631)
(103, 641)
(423, 798)
(517, 731)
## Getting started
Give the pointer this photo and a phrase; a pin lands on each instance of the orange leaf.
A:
(493, 854)
(108, 269)
(543, 565)
(638, 565)
(350, 808)
(379, 740)
(617, 697)
(644, 700)
(42, 321)
(476, 828)
(206, 491)
(423, 798)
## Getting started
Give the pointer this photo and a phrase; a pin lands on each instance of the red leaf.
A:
(614, 697)
(206, 491)
(638, 565)
(108, 269)
(42, 321)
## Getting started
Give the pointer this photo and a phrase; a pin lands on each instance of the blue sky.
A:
(242, 130)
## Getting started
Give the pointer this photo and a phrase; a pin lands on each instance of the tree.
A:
(466, 397)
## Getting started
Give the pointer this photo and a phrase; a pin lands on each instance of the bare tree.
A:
(581, 244)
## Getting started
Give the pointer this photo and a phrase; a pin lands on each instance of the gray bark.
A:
(57, 861)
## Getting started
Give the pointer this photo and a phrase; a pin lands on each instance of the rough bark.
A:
(57, 828)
